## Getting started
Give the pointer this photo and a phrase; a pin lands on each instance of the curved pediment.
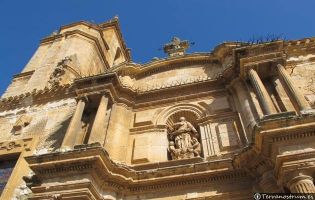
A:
(169, 72)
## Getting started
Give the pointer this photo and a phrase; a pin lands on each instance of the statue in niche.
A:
(183, 140)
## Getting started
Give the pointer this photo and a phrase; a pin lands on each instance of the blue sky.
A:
(148, 24)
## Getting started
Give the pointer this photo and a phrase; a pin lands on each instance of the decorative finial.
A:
(176, 47)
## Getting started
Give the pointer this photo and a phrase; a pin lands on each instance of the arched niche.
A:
(165, 115)
(181, 123)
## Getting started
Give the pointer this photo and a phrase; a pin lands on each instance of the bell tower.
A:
(77, 50)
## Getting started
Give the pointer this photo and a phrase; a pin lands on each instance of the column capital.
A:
(301, 184)
(297, 178)
(107, 94)
(82, 98)
(279, 65)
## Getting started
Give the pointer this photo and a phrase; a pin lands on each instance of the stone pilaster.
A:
(100, 124)
(293, 92)
(72, 135)
(262, 94)
(301, 184)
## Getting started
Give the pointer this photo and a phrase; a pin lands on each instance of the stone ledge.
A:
(95, 162)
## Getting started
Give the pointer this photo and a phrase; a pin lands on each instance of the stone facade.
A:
(82, 121)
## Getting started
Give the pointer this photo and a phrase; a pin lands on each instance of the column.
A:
(100, 124)
(296, 97)
(75, 126)
(244, 101)
(262, 94)
(301, 184)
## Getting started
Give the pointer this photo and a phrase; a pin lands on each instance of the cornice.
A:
(85, 23)
(109, 82)
(292, 46)
(258, 157)
(115, 22)
(100, 27)
(84, 34)
(23, 74)
(94, 39)
(164, 64)
(290, 165)
(82, 189)
(95, 161)
(282, 125)
(38, 96)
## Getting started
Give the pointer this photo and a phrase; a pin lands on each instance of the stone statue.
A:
(173, 151)
(183, 140)
(196, 147)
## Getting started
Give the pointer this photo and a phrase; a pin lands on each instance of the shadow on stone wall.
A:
(54, 140)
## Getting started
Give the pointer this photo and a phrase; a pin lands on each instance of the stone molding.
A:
(8, 147)
(293, 163)
(110, 83)
(95, 162)
(82, 190)
(260, 156)
(29, 73)
(38, 96)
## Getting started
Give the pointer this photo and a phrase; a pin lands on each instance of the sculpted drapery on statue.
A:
(183, 140)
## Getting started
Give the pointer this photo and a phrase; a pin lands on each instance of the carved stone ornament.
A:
(183, 140)
(176, 47)
(21, 122)
(59, 71)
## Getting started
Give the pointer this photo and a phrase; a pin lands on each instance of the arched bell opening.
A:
(183, 135)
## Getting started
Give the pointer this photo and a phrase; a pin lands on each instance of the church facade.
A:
(82, 121)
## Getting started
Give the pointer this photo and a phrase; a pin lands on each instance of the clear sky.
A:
(147, 25)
